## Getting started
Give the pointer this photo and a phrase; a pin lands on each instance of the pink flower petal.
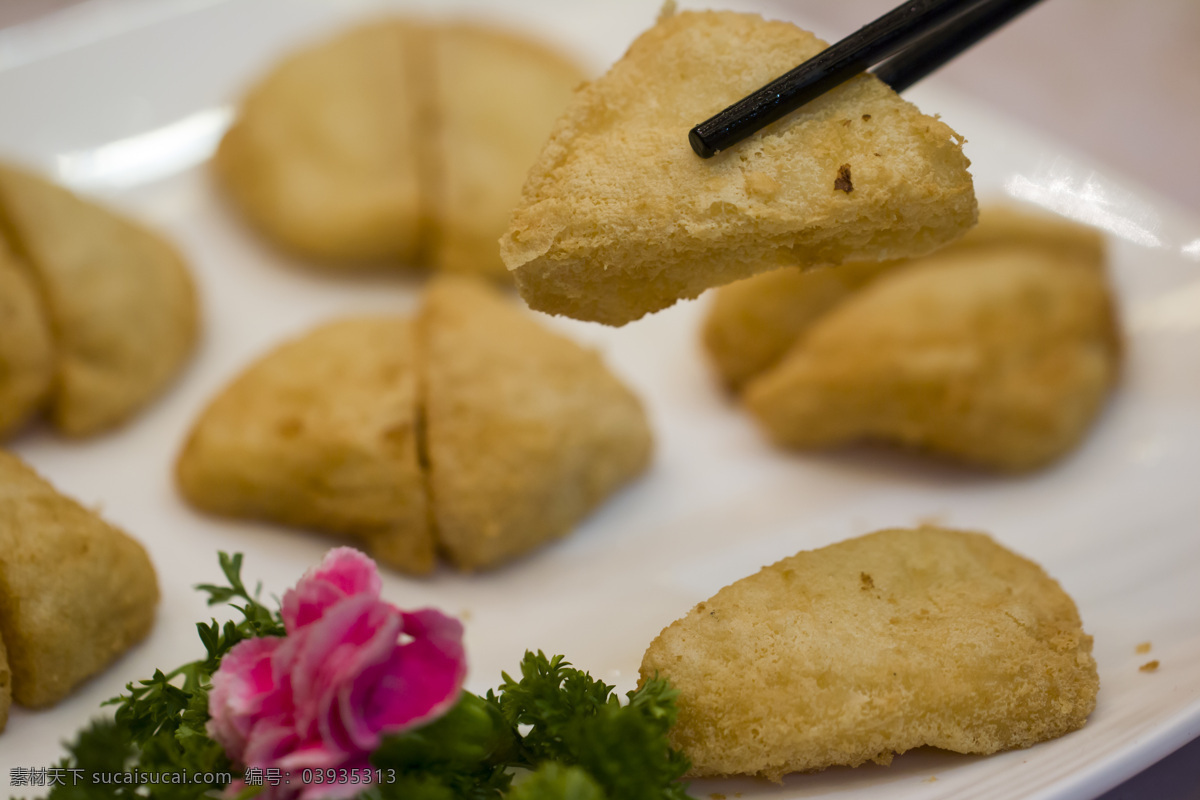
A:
(424, 676)
(239, 689)
(345, 572)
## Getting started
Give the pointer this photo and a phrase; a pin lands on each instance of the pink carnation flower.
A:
(351, 669)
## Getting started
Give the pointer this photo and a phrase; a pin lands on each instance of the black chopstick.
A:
(915, 21)
(931, 52)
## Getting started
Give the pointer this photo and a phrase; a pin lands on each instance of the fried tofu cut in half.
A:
(498, 96)
(26, 346)
(322, 433)
(874, 646)
(398, 141)
(75, 592)
(619, 218)
(325, 156)
(119, 300)
(527, 431)
(754, 322)
(1001, 359)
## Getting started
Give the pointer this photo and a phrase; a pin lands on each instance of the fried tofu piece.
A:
(1001, 358)
(119, 300)
(322, 433)
(527, 431)
(5, 685)
(1003, 225)
(620, 218)
(754, 322)
(397, 141)
(498, 96)
(75, 592)
(326, 156)
(26, 347)
(874, 646)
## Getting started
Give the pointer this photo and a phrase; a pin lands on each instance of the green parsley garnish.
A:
(555, 733)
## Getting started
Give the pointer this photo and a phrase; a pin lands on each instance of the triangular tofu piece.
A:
(874, 646)
(620, 218)
(322, 433)
(526, 431)
(119, 299)
(75, 592)
(997, 356)
(753, 323)
(26, 347)
(327, 154)
(498, 96)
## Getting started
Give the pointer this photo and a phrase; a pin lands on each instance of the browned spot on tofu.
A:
(843, 181)
(1149, 666)
(866, 117)
(1142, 648)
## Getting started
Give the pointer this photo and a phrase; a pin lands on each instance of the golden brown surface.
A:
(1001, 358)
(325, 156)
(322, 433)
(26, 348)
(119, 299)
(498, 95)
(397, 141)
(527, 431)
(754, 322)
(619, 217)
(472, 430)
(75, 592)
(874, 646)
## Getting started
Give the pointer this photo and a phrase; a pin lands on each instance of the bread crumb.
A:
(843, 181)
(868, 583)
(866, 117)
(1149, 666)
(1142, 648)
(930, 779)
(716, 796)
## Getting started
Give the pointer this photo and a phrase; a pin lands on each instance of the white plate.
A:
(124, 100)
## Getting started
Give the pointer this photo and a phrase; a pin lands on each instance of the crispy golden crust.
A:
(322, 433)
(498, 95)
(874, 646)
(754, 322)
(396, 141)
(1002, 358)
(326, 154)
(619, 218)
(119, 300)
(75, 592)
(26, 347)
(527, 431)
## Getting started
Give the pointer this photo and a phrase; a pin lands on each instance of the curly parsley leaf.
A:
(555, 733)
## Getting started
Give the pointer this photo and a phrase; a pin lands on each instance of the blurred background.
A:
(1118, 81)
